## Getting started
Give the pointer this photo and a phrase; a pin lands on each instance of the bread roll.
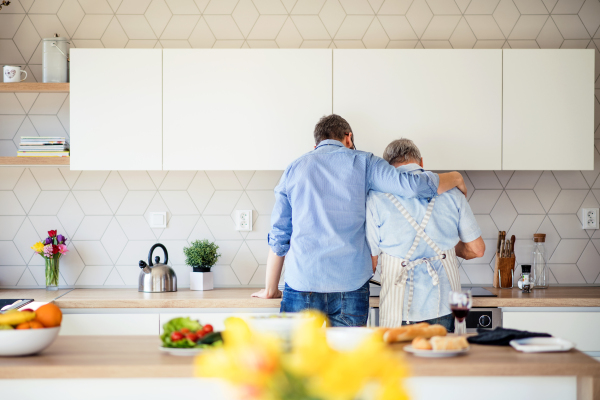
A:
(449, 343)
(421, 343)
(409, 332)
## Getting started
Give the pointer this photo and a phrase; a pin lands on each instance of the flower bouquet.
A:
(51, 249)
(259, 369)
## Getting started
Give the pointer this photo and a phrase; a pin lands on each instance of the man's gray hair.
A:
(401, 151)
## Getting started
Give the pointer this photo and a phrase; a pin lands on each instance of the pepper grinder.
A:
(526, 275)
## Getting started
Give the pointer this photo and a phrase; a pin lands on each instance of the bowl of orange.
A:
(28, 332)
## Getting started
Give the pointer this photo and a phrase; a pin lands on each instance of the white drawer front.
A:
(579, 327)
(110, 324)
(217, 320)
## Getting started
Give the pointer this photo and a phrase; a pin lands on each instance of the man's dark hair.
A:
(331, 127)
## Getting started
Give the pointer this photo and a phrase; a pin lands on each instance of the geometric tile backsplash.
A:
(105, 213)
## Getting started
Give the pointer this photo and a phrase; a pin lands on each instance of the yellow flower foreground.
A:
(312, 370)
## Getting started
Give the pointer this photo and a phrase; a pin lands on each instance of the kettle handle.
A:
(152, 249)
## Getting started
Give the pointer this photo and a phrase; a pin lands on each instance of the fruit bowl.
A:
(24, 342)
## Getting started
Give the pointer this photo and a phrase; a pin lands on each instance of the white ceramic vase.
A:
(201, 281)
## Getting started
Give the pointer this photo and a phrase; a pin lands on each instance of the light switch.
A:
(158, 219)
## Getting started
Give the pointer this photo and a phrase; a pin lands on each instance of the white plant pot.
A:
(201, 281)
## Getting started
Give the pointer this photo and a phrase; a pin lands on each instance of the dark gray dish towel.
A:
(502, 336)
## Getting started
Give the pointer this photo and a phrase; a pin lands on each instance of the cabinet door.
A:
(116, 109)
(447, 101)
(548, 109)
(242, 109)
(580, 328)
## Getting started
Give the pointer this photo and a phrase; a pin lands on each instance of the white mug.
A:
(13, 74)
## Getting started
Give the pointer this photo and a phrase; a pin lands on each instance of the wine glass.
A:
(460, 304)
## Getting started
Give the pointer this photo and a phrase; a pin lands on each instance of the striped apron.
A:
(395, 271)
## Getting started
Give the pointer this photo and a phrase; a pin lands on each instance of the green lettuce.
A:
(177, 324)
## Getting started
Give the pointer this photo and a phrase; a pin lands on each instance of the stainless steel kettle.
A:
(157, 278)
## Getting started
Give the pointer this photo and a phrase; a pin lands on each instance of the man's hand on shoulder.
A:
(451, 180)
(264, 294)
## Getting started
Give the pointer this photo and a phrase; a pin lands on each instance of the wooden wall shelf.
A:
(25, 87)
(35, 161)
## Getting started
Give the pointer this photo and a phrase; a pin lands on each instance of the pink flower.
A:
(48, 250)
(62, 249)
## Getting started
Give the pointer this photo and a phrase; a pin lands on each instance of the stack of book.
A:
(34, 146)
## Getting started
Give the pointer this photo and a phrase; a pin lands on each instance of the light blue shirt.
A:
(388, 231)
(318, 220)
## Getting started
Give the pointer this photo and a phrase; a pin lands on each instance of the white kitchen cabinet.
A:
(548, 109)
(216, 319)
(110, 324)
(449, 102)
(580, 328)
(242, 109)
(116, 109)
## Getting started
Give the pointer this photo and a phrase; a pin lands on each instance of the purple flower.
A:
(48, 240)
(61, 239)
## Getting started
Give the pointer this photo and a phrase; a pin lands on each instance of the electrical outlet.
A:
(243, 220)
(590, 218)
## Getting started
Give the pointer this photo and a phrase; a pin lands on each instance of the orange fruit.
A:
(35, 324)
(49, 315)
(23, 325)
(30, 325)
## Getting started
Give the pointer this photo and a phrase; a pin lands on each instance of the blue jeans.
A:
(342, 308)
(447, 321)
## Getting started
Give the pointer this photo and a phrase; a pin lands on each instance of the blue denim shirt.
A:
(318, 220)
(388, 231)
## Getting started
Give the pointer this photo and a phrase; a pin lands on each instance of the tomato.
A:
(175, 336)
(207, 328)
(27, 309)
(184, 330)
(192, 336)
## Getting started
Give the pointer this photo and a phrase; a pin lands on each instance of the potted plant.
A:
(201, 256)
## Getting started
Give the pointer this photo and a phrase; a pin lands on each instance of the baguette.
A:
(449, 343)
(409, 332)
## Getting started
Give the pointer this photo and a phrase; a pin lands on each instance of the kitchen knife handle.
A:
(499, 241)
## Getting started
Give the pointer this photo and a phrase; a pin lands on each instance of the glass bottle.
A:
(540, 268)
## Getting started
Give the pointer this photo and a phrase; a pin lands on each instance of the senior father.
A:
(395, 227)
(318, 223)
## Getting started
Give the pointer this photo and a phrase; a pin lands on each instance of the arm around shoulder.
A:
(450, 180)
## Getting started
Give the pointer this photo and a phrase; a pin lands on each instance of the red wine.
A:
(460, 313)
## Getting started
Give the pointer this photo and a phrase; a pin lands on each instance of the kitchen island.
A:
(96, 365)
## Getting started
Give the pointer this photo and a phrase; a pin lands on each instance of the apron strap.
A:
(419, 228)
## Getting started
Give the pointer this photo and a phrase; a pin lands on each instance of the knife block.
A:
(503, 272)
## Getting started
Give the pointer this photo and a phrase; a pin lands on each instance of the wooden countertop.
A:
(41, 295)
(240, 298)
(139, 357)
(184, 298)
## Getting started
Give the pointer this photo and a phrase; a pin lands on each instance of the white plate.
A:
(541, 344)
(174, 351)
(434, 353)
